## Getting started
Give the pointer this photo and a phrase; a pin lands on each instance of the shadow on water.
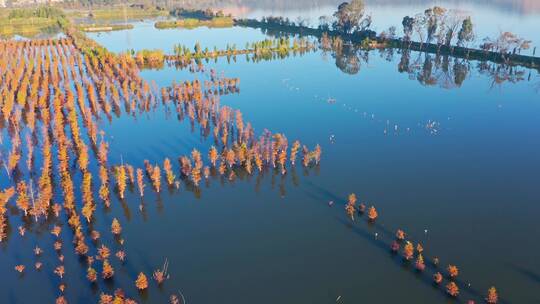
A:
(320, 193)
(424, 277)
(534, 277)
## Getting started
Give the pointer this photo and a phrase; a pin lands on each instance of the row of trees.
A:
(56, 91)
(415, 253)
(71, 90)
(437, 25)
(445, 27)
(259, 49)
(48, 12)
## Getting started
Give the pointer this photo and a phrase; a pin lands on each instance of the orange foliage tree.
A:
(108, 270)
(168, 171)
(116, 229)
(349, 208)
(140, 181)
(121, 180)
(156, 178)
(372, 213)
(408, 251)
(141, 283)
(453, 271)
(492, 296)
(452, 289)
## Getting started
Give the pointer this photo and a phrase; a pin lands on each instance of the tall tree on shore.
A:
(408, 27)
(466, 33)
(453, 20)
(350, 17)
(434, 18)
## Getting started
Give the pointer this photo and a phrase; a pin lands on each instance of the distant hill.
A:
(517, 6)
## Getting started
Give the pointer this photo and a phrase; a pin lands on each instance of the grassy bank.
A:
(194, 23)
(103, 27)
(119, 13)
(30, 21)
(27, 30)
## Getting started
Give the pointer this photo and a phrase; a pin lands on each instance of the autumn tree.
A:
(116, 229)
(168, 171)
(492, 296)
(156, 178)
(453, 271)
(121, 180)
(104, 187)
(349, 208)
(420, 265)
(23, 201)
(213, 155)
(372, 213)
(400, 234)
(108, 270)
(408, 251)
(161, 274)
(452, 289)
(91, 274)
(140, 181)
(294, 151)
(141, 283)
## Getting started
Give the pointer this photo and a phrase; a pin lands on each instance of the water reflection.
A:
(444, 71)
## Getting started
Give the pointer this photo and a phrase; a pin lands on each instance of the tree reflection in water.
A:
(428, 69)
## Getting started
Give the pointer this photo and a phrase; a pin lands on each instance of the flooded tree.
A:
(400, 234)
(116, 229)
(453, 271)
(140, 181)
(350, 206)
(408, 251)
(91, 275)
(23, 201)
(108, 270)
(437, 278)
(420, 265)
(141, 283)
(452, 289)
(492, 296)
(372, 213)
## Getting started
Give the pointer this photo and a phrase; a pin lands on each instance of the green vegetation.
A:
(206, 14)
(31, 21)
(150, 58)
(191, 23)
(103, 27)
(262, 50)
(121, 13)
(85, 44)
(46, 12)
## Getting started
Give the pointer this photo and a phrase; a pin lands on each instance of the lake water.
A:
(455, 164)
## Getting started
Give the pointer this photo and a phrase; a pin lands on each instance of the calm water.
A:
(472, 183)
(454, 165)
(489, 17)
